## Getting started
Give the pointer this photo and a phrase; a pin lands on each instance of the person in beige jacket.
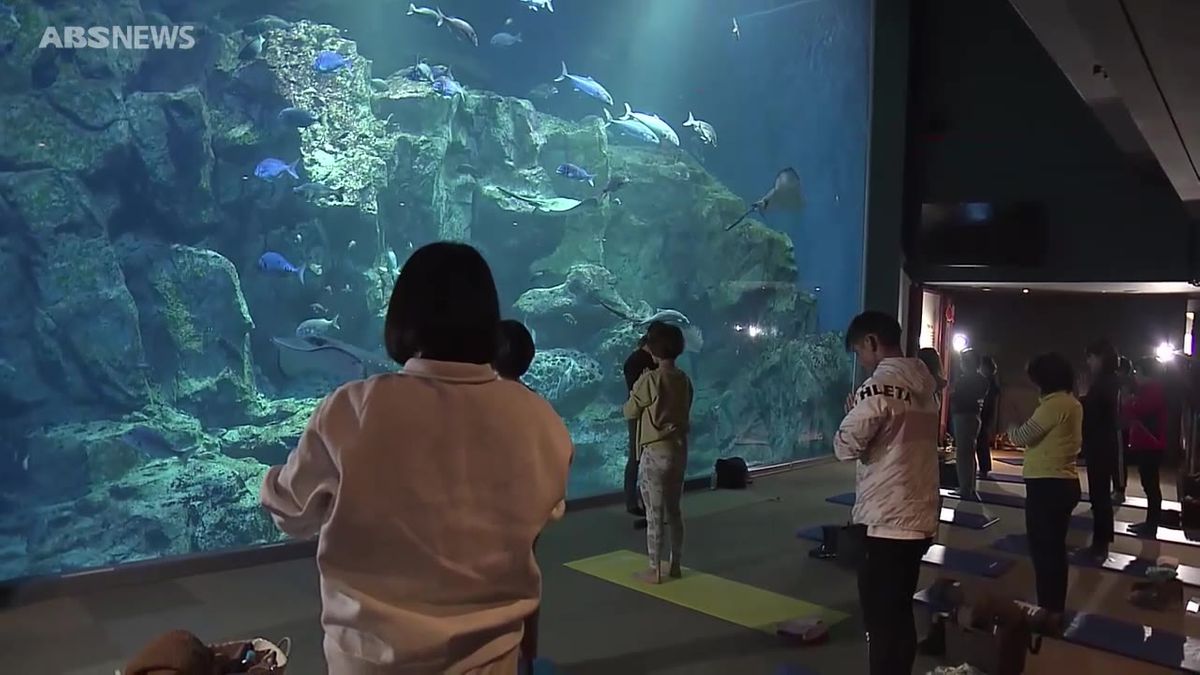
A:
(428, 487)
(661, 401)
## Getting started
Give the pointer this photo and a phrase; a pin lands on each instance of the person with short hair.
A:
(1145, 415)
(515, 352)
(635, 365)
(1052, 437)
(428, 487)
(1101, 440)
(661, 401)
(890, 430)
(968, 390)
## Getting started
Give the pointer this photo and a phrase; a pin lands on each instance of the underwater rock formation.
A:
(130, 208)
(566, 377)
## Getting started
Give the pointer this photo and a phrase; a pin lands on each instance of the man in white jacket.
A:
(890, 429)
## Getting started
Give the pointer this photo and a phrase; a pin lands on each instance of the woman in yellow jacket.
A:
(1052, 437)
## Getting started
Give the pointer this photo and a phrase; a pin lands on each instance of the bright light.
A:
(958, 342)
(753, 331)
(1025, 290)
(1164, 352)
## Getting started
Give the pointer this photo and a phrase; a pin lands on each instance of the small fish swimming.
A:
(631, 127)
(330, 62)
(706, 132)
(11, 13)
(422, 72)
(317, 327)
(654, 123)
(460, 27)
(252, 50)
(152, 444)
(271, 168)
(267, 22)
(426, 12)
(614, 183)
(314, 190)
(318, 308)
(380, 85)
(575, 173)
(586, 85)
(737, 30)
(447, 87)
(316, 268)
(535, 5)
(543, 91)
(505, 39)
(274, 263)
(351, 245)
(297, 117)
(508, 21)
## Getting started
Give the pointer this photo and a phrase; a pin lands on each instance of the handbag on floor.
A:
(182, 653)
(731, 473)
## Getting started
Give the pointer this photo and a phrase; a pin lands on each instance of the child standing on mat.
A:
(662, 402)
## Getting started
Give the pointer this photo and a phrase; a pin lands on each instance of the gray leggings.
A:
(966, 435)
(660, 477)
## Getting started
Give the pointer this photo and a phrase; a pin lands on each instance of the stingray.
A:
(553, 206)
(785, 195)
(299, 356)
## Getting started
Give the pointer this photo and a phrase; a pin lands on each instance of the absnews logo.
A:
(119, 37)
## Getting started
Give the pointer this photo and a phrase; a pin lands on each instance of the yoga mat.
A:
(709, 502)
(1020, 461)
(730, 601)
(973, 521)
(1018, 544)
(1131, 640)
(1131, 502)
(956, 560)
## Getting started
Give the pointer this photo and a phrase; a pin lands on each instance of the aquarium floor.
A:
(588, 626)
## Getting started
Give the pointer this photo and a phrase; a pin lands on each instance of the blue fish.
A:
(446, 86)
(297, 117)
(329, 62)
(275, 263)
(575, 173)
(271, 168)
(586, 85)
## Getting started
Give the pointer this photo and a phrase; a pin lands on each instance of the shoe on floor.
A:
(1144, 529)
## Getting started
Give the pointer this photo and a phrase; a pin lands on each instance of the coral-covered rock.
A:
(567, 378)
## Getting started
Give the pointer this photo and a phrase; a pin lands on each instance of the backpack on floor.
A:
(731, 473)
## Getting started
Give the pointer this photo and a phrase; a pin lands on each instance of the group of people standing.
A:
(891, 431)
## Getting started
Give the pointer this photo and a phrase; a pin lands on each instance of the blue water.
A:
(133, 223)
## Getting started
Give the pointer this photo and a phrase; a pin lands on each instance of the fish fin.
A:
(412, 9)
(518, 36)
(628, 110)
(690, 120)
(300, 273)
(562, 77)
(335, 323)
(441, 17)
(607, 117)
(592, 182)
(291, 168)
(550, 6)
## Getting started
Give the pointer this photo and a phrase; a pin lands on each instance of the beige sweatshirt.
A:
(661, 401)
(427, 489)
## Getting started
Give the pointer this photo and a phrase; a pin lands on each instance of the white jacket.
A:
(428, 490)
(892, 432)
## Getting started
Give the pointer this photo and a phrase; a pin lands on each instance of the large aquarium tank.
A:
(201, 221)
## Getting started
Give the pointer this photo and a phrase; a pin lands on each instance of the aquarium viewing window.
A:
(200, 241)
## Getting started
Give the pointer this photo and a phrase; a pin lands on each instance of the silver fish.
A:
(252, 50)
(317, 327)
(461, 28)
(426, 12)
(703, 129)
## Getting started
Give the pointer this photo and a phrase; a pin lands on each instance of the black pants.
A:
(983, 448)
(1048, 506)
(632, 498)
(886, 583)
(1101, 467)
(1149, 463)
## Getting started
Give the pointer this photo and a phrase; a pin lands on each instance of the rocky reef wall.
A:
(131, 222)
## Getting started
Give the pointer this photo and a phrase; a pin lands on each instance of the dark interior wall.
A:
(1013, 327)
(995, 119)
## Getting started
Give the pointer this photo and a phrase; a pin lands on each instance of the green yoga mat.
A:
(730, 601)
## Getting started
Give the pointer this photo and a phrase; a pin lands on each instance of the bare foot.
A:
(652, 576)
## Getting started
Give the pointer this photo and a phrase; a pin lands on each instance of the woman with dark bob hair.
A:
(428, 487)
(1051, 438)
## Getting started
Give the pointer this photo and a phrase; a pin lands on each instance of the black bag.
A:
(731, 474)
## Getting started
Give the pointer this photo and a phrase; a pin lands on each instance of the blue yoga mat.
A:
(977, 563)
(973, 521)
(1018, 544)
(1131, 640)
(1020, 461)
